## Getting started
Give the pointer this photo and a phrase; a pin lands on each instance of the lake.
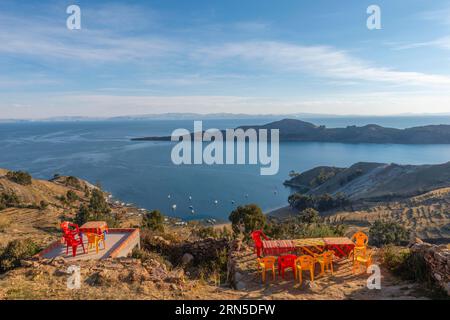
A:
(142, 172)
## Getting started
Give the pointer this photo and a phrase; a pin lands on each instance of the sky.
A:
(210, 56)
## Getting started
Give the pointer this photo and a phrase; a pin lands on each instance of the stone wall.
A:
(437, 259)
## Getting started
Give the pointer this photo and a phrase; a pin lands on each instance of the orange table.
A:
(97, 227)
(310, 245)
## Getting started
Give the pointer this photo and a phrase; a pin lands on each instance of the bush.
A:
(246, 219)
(8, 200)
(43, 205)
(154, 221)
(71, 196)
(73, 182)
(322, 202)
(205, 232)
(387, 232)
(309, 216)
(15, 251)
(20, 177)
(299, 227)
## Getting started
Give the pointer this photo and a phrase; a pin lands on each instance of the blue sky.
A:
(248, 56)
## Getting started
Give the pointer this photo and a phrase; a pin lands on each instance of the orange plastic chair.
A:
(361, 240)
(94, 240)
(361, 257)
(305, 263)
(264, 264)
(325, 260)
(287, 262)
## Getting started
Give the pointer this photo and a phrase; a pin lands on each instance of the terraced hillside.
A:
(427, 216)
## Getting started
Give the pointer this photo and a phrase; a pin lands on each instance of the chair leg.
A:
(74, 250)
(311, 271)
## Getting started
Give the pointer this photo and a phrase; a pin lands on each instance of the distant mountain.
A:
(374, 181)
(298, 130)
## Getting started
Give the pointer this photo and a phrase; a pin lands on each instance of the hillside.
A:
(297, 130)
(378, 181)
(41, 206)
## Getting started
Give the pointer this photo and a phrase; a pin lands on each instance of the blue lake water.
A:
(142, 172)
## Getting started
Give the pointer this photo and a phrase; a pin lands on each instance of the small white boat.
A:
(174, 207)
(190, 198)
(168, 196)
(216, 202)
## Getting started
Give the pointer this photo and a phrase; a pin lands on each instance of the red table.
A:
(97, 227)
(340, 245)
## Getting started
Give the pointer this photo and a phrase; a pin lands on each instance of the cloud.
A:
(442, 43)
(320, 61)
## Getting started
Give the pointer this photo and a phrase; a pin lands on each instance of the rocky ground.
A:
(128, 278)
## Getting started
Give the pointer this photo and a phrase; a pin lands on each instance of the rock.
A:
(237, 277)
(27, 263)
(240, 285)
(187, 258)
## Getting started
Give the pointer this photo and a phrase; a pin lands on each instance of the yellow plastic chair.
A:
(94, 240)
(264, 264)
(361, 257)
(305, 263)
(325, 260)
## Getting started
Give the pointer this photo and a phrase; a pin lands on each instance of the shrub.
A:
(322, 202)
(43, 205)
(72, 181)
(309, 216)
(20, 177)
(299, 227)
(205, 232)
(71, 196)
(15, 251)
(246, 219)
(154, 221)
(8, 200)
(387, 232)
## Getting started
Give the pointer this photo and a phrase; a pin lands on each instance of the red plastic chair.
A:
(72, 237)
(256, 236)
(285, 262)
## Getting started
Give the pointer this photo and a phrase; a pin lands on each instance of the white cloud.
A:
(321, 61)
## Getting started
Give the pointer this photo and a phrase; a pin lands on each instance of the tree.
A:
(154, 220)
(309, 215)
(387, 232)
(82, 215)
(247, 219)
(98, 205)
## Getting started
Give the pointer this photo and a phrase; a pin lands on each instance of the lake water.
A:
(142, 172)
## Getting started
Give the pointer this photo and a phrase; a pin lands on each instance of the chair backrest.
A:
(268, 261)
(256, 236)
(287, 259)
(70, 238)
(305, 261)
(360, 239)
(69, 227)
